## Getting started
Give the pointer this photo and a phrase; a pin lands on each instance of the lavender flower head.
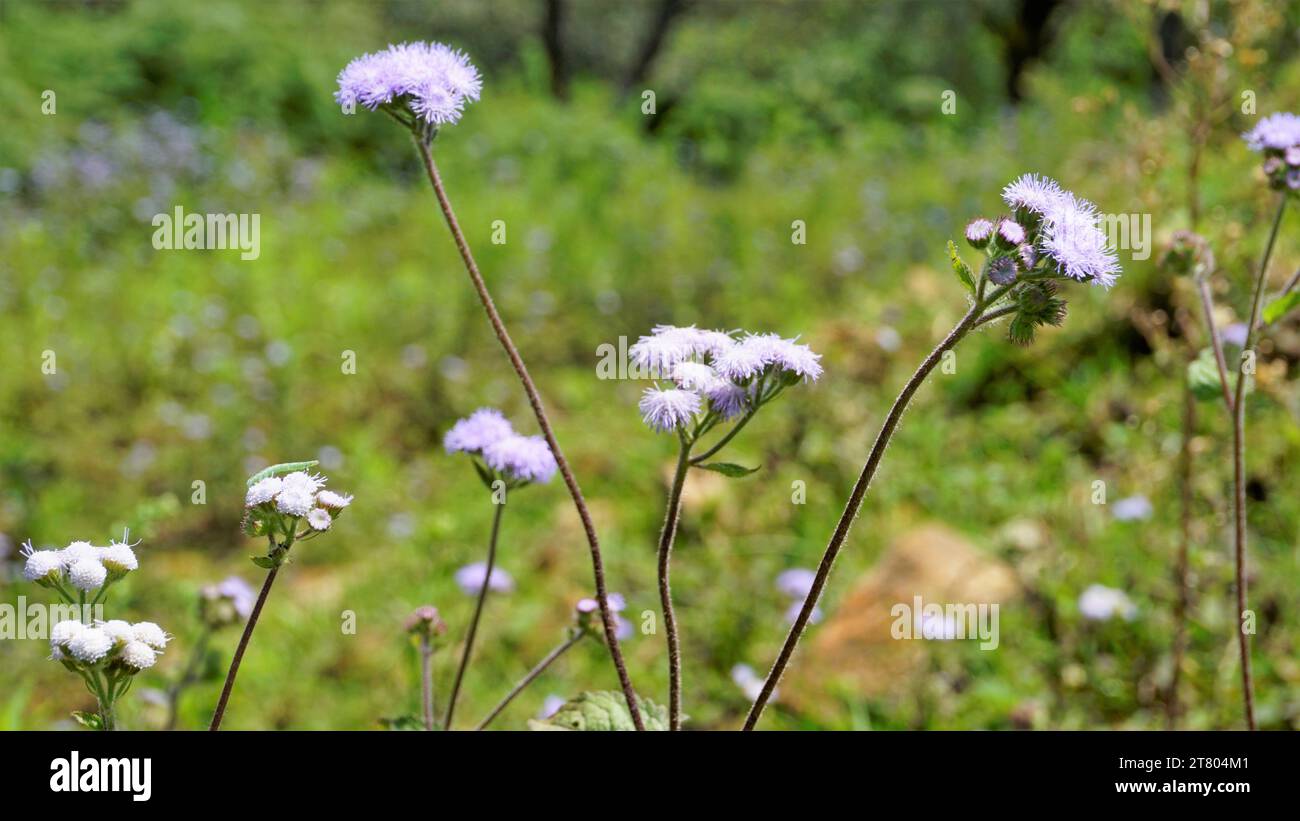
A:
(431, 80)
(715, 375)
(521, 458)
(665, 410)
(1067, 227)
(473, 434)
(470, 579)
(1276, 132)
(516, 458)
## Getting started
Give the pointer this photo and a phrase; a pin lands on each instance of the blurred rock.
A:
(855, 654)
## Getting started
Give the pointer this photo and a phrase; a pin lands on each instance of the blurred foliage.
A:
(175, 368)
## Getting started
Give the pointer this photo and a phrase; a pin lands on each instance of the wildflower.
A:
(425, 620)
(431, 80)
(333, 501)
(87, 574)
(63, 633)
(138, 656)
(796, 582)
(481, 428)
(90, 645)
(470, 579)
(696, 376)
(728, 400)
(1033, 194)
(979, 231)
(295, 502)
(150, 633)
(1073, 241)
(42, 566)
(1010, 233)
(1276, 132)
(319, 519)
(119, 631)
(1002, 271)
(118, 559)
(263, 491)
(77, 551)
(1132, 509)
(225, 603)
(1100, 603)
(521, 458)
(550, 706)
(665, 410)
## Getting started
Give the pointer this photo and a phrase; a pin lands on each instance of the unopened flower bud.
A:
(425, 621)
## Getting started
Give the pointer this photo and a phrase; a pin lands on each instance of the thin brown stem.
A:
(478, 613)
(1181, 572)
(1239, 468)
(535, 400)
(426, 678)
(1216, 342)
(243, 645)
(854, 504)
(528, 678)
(666, 536)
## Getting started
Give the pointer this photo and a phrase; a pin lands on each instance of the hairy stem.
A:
(1239, 469)
(535, 400)
(851, 509)
(239, 651)
(532, 674)
(426, 678)
(666, 536)
(478, 612)
(731, 434)
(1181, 572)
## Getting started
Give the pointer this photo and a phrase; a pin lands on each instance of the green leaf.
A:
(1278, 308)
(728, 469)
(602, 710)
(484, 475)
(1203, 376)
(91, 721)
(401, 723)
(280, 469)
(960, 268)
(264, 562)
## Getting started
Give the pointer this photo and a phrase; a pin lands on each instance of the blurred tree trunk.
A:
(552, 31)
(1024, 39)
(665, 15)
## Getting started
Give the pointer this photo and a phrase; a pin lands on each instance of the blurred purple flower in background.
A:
(470, 579)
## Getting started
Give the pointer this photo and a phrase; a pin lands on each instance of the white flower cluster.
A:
(85, 566)
(116, 643)
(298, 495)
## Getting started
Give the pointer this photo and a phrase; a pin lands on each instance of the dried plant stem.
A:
(841, 533)
(666, 536)
(1239, 468)
(243, 645)
(478, 613)
(532, 674)
(535, 400)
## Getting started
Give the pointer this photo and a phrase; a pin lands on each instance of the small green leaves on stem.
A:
(960, 268)
(728, 469)
(1278, 308)
(602, 711)
(1036, 304)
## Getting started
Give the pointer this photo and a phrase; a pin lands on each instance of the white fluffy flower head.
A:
(138, 656)
(150, 633)
(319, 519)
(90, 645)
(118, 558)
(63, 633)
(87, 574)
(263, 491)
(42, 564)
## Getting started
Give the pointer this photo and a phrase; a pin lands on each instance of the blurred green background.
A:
(176, 367)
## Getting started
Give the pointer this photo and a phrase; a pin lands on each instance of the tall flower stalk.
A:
(504, 461)
(422, 87)
(287, 505)
(715, 381)
(427, 627)
(1051, 236)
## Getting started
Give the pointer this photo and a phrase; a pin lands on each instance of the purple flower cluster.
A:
(432, 80)
(716, 373)
(488, 435)
(1278, 136)
(1050, 224)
